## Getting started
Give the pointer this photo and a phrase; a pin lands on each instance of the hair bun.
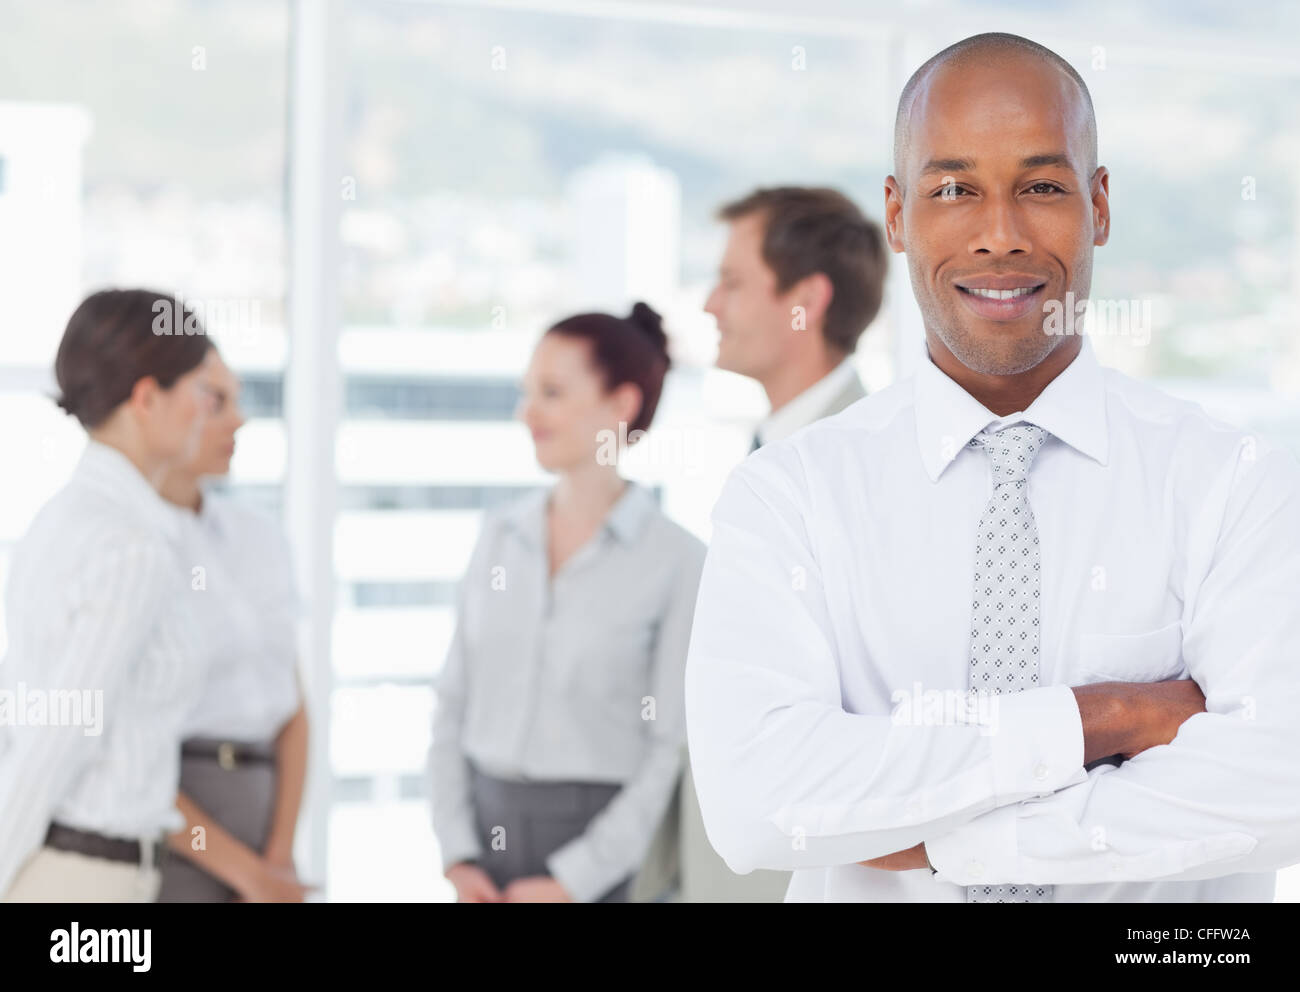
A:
(648, 320)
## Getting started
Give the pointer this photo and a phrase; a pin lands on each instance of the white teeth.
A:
(1002, 294)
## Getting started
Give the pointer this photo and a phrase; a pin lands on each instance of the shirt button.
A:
(975, 869)
(1040, 773)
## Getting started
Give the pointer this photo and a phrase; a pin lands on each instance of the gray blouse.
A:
(575, 678)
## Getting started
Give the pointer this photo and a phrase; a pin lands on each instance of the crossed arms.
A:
(789, 779)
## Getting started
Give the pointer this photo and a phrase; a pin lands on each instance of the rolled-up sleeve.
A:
(1224, 796)
(614, 843)
(788, 778)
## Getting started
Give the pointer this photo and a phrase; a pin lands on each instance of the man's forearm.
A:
(1107, 719)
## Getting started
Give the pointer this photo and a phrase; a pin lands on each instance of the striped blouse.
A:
(100, 669)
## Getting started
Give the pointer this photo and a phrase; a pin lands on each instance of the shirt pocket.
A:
(1148, 656)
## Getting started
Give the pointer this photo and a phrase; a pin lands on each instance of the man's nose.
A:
(710, 302)
(1000, 229)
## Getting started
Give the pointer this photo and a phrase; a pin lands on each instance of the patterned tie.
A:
(1004, 620)
(756, 444)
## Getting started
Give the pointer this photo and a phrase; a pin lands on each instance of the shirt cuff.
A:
(575, 867)
(981, 851)
(1037, 743)
(456, 844)
(1037, 748)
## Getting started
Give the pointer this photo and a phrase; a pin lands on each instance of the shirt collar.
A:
(209, 512)
(108, 470)
(1072, 407)
(808, 405)
(206, 518)
(626, 519)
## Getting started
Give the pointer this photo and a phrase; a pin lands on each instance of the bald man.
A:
(1018, 628)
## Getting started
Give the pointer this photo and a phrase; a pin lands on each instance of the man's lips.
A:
(1007, 297)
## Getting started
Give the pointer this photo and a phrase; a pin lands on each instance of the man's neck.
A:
(788, 381)
(1005, 394)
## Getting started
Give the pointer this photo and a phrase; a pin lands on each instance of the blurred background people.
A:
(244, 757)
(88, 776)
(559, 727)
(801, 278)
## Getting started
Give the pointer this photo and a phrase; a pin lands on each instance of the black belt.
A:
(229, 754)
(95, 845)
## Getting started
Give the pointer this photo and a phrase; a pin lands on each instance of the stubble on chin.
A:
(1000, 353)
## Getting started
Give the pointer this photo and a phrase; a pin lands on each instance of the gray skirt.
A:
(241, 800)
(519, 824)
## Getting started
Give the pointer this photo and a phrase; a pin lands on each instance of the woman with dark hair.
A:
(244, 755)
(98, 643)
(559, 731)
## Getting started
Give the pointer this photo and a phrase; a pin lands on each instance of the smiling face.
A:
(754, 325)
(996, 210)
(565, 406)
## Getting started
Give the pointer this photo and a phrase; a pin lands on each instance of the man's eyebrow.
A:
(949, 165)
(968, 165)
(1054, 158)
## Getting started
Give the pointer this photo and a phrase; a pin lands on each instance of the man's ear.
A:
(1101, 205)
(814, 293)
(894, 215)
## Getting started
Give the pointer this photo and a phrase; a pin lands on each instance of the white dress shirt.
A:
(246, 608)
(575, 677)
(96, 602)
(838, 588)
(808, 405)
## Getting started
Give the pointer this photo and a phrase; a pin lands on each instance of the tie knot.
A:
(1012, 450)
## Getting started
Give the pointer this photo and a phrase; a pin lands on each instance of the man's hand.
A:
(1128, 717)
(909, 860)
(1163, 708)
(536, 888)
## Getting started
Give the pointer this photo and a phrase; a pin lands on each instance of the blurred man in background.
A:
(801, 278)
